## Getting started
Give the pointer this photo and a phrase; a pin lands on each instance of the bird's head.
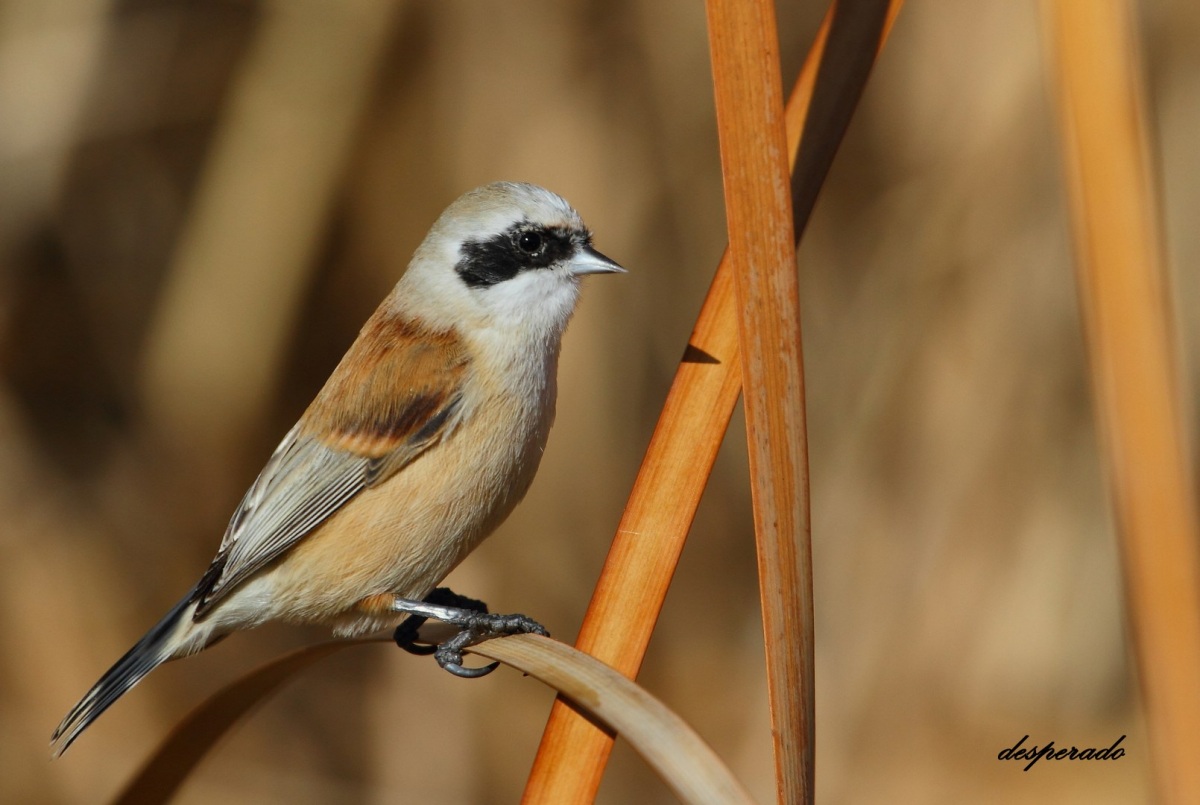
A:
(505, 256)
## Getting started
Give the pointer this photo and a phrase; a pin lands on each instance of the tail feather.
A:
(156, 647)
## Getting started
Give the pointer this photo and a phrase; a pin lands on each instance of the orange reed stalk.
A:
(744, 45)
(650, 536)
(1127, 317)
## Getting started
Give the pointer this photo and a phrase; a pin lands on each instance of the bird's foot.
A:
(472, 618)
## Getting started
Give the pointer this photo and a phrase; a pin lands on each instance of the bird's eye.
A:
(529, 242)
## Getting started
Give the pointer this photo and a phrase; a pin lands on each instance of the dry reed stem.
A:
(688, 765)
(641, 562)
(758, 211)
(645, 551)
(1127, 318)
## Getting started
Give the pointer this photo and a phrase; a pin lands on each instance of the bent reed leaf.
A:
(673, 749)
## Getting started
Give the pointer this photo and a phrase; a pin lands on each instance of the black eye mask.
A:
(521, 247)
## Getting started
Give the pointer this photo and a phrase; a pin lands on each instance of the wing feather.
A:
(397, 392)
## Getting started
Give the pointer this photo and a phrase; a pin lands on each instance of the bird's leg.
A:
(472, 618)
(440, 604)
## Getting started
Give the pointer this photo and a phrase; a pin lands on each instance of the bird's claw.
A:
(459, 670)
(478, 627)
(474, 621)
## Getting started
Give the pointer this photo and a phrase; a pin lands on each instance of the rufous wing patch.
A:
(392, 387)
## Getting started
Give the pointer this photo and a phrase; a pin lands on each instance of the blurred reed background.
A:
(200, 202)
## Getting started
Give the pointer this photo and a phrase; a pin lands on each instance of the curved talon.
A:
(470, 673)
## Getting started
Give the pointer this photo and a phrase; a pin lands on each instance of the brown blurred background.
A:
(200, 202)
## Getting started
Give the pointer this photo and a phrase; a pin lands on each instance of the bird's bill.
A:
(590, 261)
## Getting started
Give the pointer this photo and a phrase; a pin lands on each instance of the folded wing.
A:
(397, 393)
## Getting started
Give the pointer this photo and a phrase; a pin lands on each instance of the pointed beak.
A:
(590, 261)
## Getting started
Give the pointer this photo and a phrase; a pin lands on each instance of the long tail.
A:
(168, 639)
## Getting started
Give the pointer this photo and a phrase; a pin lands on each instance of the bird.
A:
(424, 438)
